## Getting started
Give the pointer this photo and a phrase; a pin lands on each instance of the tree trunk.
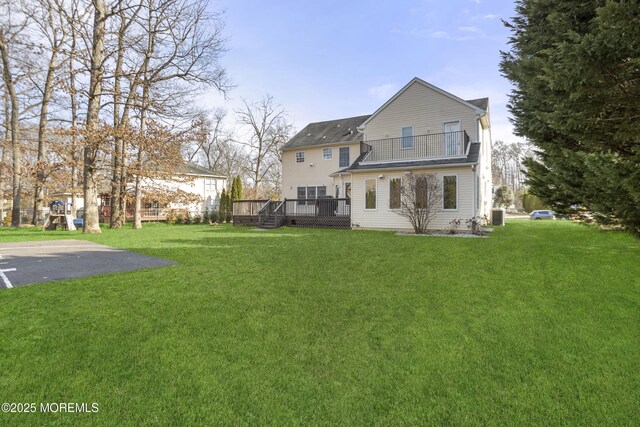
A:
(5, 150)
(91, 214)
(15, 132)
(41, 162)
(74, 120)
(137, 219)
(116, 218)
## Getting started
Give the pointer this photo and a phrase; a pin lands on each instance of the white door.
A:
(452, 139)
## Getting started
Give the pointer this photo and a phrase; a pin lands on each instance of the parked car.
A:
(542, 214)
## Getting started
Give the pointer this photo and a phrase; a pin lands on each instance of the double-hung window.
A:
(299, 156)
(407, 137)
(327, 154)
(344, 157)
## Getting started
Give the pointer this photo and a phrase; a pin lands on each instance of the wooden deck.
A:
(310, 213)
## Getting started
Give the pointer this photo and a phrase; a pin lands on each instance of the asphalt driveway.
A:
(24, 263)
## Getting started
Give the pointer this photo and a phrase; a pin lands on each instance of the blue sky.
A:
(327, 59)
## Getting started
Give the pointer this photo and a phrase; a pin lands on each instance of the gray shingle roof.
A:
(192, 169)
(480, 102)
(329, 132)
(472, 157)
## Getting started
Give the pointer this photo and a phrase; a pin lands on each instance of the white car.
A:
(542, 214)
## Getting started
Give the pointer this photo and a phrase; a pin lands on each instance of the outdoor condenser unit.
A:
(497, 216)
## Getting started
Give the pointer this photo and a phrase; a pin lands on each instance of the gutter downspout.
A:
(475, 190)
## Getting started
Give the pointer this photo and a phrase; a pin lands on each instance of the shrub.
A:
(197, 219)
(171, 216)
(213, 217)
(206, 216)
(6, 221)
(474, 224)
(179, 218)
(453, 225)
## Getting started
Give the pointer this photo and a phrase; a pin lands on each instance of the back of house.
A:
(421, 129)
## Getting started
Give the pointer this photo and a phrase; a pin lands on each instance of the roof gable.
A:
(473, 105)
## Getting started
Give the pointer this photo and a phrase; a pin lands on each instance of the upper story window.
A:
(209, 184)
(344, 157)
(327, 154)
(407, 137)
(299, 156)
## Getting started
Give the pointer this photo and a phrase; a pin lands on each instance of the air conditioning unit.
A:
(497, 216)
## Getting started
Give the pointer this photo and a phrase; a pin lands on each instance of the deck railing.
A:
(434, 145)
(328, 207)
(323, 212)
(248, 207)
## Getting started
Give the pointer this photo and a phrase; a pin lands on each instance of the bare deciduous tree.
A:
(91, 214)
(213, 146)
(420, 199)
(4, 145)
(268, 130)
(9, 85)
(50, 26)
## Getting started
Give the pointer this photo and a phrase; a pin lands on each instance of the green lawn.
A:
(539, 324)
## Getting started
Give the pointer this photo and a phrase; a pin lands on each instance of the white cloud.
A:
(383, 92)
(488, 16)
(439, 35)
(461, 34)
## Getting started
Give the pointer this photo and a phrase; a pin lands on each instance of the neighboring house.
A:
(194, 189)
(421, 129)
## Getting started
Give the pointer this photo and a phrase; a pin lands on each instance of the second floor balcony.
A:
(419, 147)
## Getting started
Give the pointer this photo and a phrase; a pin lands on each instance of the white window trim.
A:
(389, 186)
(365, 194)
(413, 135)
(300, 152)
(330, 154)
(457, 191)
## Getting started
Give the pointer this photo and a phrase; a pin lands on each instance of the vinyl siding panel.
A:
(385, 218)
(296, 175)
(426, 110)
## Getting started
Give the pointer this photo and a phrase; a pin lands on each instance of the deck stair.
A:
(271, 215)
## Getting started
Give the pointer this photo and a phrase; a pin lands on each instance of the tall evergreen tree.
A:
(576, 70)
(236, 189)
(222, 210)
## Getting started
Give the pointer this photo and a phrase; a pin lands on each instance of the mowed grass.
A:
(539, 324)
